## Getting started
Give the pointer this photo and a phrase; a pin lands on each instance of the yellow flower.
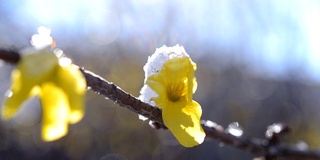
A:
(174, 84)
(60, 86)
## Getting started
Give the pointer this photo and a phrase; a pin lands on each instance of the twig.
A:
(212, 130)
(124, 99)
(10, 56)
(261, 146)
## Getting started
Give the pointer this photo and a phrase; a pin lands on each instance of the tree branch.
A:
(10, 56)
(271, 147)
(124, 99)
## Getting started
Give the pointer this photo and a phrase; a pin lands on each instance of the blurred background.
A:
(258, 64)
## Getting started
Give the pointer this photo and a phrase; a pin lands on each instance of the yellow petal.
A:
(175, 84)
(38, 66)
(55, 109)
(71, 80)
(174, 81)
(156, 83)
(183, 120)
(31, 70)
(19, 92)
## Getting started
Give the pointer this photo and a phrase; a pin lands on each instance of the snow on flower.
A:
(169, 84)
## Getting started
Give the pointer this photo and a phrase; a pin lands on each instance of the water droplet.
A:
(276, 128)
(58, 52)
(210, 124)
(235, 129)
(64, 61)
(8, 93)
(89, 88)
(143, 118)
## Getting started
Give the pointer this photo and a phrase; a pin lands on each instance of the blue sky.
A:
(274, 35)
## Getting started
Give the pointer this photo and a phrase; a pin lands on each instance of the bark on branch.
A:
(271, 147)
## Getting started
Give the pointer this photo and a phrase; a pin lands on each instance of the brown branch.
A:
(10, 56)
(261, 146)
(124, 99)
(212, 130)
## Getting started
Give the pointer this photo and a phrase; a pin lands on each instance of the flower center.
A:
(176, 91)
